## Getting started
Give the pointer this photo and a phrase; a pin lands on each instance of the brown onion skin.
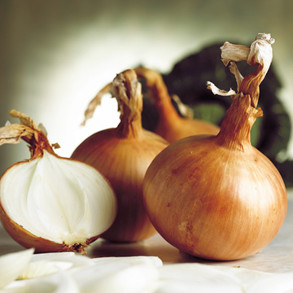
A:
(196, 204)
(124, 161)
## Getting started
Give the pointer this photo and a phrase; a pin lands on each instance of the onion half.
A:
(52, 203)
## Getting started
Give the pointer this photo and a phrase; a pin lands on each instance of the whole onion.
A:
(171, 125)
(218, 197)
(123, 155)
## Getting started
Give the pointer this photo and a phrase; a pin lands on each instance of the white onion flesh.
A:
(78, 273)
(119, 276)
(61, 200)
(9, 271)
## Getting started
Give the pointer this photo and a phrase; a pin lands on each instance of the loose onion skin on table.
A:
(123, 155)
(218, 197)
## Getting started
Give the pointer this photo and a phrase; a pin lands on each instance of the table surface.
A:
(277, 257)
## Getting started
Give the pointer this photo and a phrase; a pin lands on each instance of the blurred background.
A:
(55, 55)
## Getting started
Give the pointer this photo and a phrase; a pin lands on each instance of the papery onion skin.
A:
(123, 155)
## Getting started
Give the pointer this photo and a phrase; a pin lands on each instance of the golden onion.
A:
(217, 197)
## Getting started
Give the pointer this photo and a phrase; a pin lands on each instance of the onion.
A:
(122, 155)
(171, 125)
(48, 202)
(218, 197)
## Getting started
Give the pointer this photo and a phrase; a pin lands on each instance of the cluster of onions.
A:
(48, 202)
(171, 125)
(216, 196)
(123, 155)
